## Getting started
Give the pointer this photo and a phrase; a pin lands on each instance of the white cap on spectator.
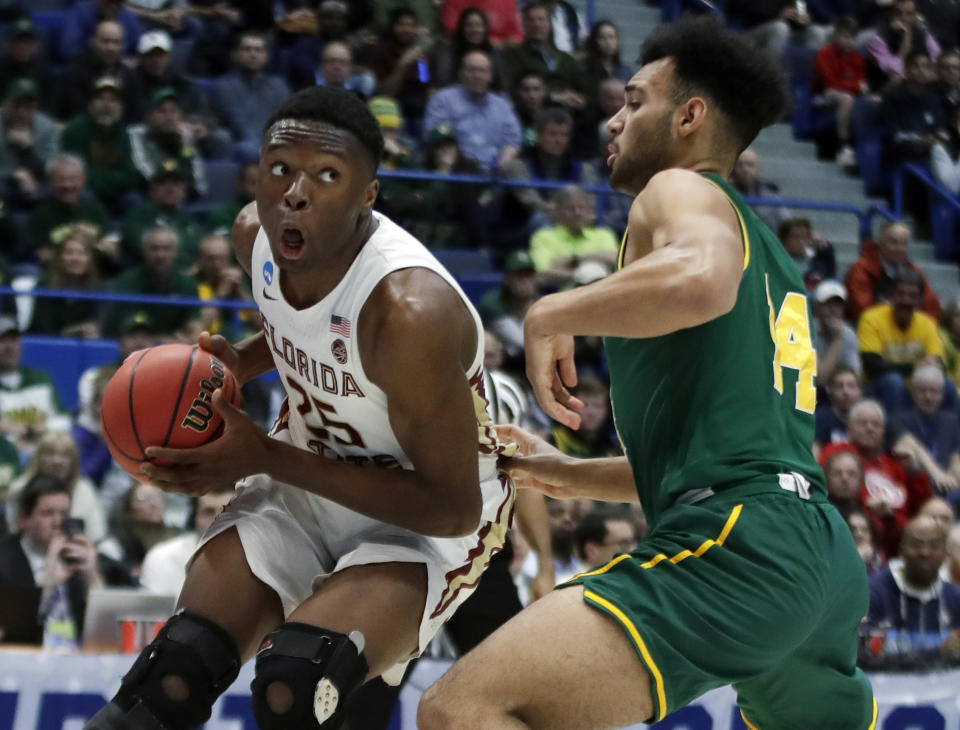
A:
(827, 290)
(589, 272)
(154, 40)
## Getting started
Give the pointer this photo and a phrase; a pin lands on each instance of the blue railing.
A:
(944, 210)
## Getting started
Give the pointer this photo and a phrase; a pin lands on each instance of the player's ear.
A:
(370, 194)
(692, 115)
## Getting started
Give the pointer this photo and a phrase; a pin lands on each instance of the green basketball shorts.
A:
(760, 591)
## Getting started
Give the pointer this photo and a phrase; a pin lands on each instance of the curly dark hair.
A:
(337, 107)
(590, 45)
(743, 81)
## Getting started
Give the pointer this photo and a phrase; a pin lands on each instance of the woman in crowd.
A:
(72, 267)
(57, 456)
(601, 59)
(472, 33)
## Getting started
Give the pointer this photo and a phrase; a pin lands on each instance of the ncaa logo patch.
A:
(339, 351)
(268, 272)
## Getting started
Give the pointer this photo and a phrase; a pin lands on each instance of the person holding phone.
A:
(51, 552)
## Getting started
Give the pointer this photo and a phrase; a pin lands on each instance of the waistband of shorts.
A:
(787, 485)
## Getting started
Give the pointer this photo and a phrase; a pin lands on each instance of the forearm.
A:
(664, 292)
(255, 357)
(534, 523)
(828, 362)
(400, 497)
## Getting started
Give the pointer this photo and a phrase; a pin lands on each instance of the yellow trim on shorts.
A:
(704, 546)
(876, 712)
(638, 640)
(605, 568)
(750, 725)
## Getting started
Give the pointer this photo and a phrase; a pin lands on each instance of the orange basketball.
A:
(162, 397)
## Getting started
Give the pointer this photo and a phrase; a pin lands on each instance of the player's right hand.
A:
(539, 465)
(223, 349)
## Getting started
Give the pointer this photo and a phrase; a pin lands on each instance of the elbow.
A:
(463, 518)
(708, 298)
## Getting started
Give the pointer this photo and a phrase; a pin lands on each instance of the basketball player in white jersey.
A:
(368, 514)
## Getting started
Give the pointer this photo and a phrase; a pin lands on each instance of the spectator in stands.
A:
(221, 218)
(400, 63)
(57, 457)
(945, 155)
(774, 23)
(569, 28)
(449, 215)
(101, 139)
(565, 81)
(29, 404)
(136, 333)
(558, 250)
(135, 526)
(837, 343)
(23, 59)
(485, 124)
(167, 16)
(165, 564)
(503, 309)
(842, 77)
(73, 266)
(550, 158)
(745, 177)
(940, 511)
(893, 43)
(890, 495)
(210, 55)
(245, 98)
(594, 438)
(895, 337)
(914, 612)
(870, 279)
(84, 18)
(603, 534)
(950, 336)
(914, 113)
(832, 414)
(219, 277)
(70, 203)
(935, 446)
(167, 194)
(953, 555)
(154, 74)
(472, 33)
(948, 84)
(865, 539)
(159, 276)
(529, 96)
(337, 69)
(502, 16)
(602, 55)
(104, 57)
(40, 554)
(28, 140)
(166, 142)
(812, 253)
(844, 474)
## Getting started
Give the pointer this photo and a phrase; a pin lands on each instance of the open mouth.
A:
(291, 243)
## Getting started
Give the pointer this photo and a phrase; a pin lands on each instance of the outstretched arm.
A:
(682, 268)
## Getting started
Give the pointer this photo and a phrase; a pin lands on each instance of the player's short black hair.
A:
(744, 82)
(337, 107)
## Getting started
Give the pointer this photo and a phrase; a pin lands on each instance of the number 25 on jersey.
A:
(793, 347)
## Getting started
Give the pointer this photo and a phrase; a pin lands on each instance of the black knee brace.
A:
(320, 668)
(192, 648)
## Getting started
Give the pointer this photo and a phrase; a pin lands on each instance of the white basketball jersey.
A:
(333, 409)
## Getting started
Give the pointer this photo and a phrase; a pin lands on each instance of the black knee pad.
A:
(192, 648)
(320, 668)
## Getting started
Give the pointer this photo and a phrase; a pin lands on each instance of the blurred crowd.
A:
(129, 137)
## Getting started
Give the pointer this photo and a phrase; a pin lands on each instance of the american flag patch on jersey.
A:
(340, 325)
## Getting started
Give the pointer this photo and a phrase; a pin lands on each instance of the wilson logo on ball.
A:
(201, 411)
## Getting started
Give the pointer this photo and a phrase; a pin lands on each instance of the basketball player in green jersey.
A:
(748, 576)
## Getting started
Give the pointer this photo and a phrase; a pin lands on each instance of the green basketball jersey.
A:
(729, 401)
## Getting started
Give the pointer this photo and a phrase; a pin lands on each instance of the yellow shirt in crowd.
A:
(878, 333)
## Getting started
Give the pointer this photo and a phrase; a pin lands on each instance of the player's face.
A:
(313, 186)
(641, 131)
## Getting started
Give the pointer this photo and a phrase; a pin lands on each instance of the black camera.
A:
(73, 526)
